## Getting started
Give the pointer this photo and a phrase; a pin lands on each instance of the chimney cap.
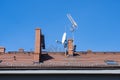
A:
(21, 48)
(70, 39)
(2, 47)
(37, 28)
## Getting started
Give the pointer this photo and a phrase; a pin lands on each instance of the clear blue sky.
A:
(98, 23)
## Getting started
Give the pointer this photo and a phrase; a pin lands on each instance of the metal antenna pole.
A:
(65, 51)
(65, 47)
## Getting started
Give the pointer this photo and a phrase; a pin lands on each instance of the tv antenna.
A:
(64, 41)
(74, 25)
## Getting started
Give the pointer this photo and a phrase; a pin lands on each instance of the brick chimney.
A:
(2, 50)
(37, 52)
(70, 47)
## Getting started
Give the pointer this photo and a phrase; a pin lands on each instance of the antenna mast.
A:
(74, 25)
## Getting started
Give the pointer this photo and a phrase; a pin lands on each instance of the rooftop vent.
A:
(2, 50)
(89, 51)
(21, 50)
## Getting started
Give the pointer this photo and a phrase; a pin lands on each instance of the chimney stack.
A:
(2, 50)
(37, 52)
(70, 47)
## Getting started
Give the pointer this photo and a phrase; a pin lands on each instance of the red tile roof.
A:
(58, 59)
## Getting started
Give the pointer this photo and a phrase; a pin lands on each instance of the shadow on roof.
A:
(45, 57)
